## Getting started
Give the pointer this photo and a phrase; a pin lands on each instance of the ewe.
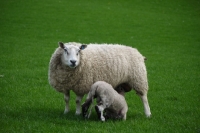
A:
(74, 66)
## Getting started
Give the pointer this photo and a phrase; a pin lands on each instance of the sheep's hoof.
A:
(66, 111)
(148, 115)
(77, 113)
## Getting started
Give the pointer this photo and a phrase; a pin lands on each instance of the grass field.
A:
(166, 32)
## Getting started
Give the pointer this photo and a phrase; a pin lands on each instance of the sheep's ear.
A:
(61, 44)
(83, 47)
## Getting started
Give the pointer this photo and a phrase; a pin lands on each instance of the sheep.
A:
(75, 66)
(107, 99)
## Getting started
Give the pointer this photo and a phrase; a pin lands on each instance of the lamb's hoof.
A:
(84, 111)
(103, 119)
(85, 115)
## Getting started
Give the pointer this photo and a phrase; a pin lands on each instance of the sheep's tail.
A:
(145, 58)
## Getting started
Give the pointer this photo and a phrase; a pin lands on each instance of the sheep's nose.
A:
(73, 62)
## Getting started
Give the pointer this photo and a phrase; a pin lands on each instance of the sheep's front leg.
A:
(66, 98)
(78, 104)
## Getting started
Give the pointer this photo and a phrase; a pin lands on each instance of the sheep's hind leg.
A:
(78, 104)
(66, 98)
(146, 104)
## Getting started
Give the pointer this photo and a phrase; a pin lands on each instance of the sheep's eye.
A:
(78, 52)
(66, 50)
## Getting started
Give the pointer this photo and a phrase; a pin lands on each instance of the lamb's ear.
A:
(61, 44)
(83, 47)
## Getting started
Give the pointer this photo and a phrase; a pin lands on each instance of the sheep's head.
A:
(71, 54)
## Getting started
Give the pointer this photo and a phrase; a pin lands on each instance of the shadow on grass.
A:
(56, 116)
(46, 115)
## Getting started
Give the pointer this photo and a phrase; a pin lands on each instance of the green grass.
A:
(166, 32)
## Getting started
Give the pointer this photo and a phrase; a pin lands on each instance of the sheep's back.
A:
(114, 64)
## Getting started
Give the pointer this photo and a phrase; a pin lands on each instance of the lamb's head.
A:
(71, 54)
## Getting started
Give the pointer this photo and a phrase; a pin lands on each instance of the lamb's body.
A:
(107, 99)
(114, 64)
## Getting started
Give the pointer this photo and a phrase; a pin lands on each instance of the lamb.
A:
(107, 99)
(74, 66)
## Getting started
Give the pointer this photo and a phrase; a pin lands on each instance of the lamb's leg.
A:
(146, 105)
(124, 117)
(98, 112)
(123, 113)
(101, 109)
(86, 106)
(78, 104)
(66, 98)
